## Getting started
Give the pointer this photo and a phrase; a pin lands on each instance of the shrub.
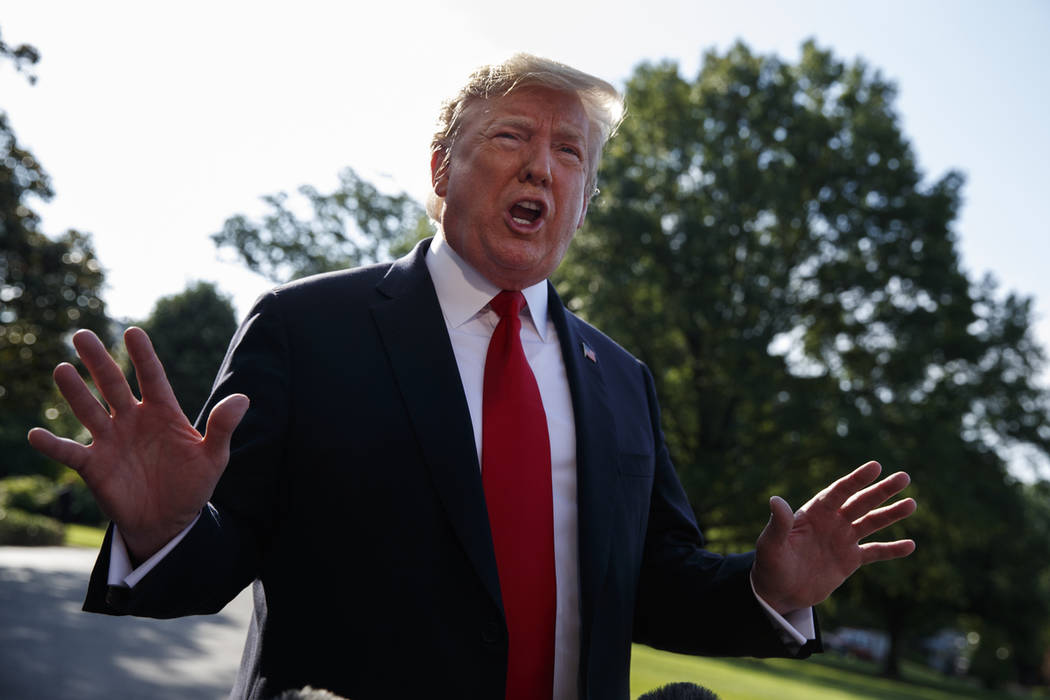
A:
(68, 499)
(29, 529)
(32, 494)
(74, 502)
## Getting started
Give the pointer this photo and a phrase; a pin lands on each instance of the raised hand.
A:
(802, 557)
(149, 469)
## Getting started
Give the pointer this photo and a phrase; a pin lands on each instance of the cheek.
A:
(562, 246)
(576, 215)
(574, 195)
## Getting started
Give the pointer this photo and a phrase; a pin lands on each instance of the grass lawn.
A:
(824, 677)
(84, 536)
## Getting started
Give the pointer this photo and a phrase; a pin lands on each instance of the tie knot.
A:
(507, 303)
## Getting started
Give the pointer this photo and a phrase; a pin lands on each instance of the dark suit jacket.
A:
(353, 500)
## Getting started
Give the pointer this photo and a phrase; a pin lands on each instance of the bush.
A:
(28, 529)
(74, 502)
(68, 499)
(31, 494)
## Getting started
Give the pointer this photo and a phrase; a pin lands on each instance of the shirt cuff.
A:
(121, 572)
(795, 628)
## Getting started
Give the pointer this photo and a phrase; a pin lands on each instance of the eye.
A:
(573, 151)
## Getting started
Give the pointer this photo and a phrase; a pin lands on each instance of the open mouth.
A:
(526, 212)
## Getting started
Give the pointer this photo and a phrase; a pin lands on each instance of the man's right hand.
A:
(149, 469)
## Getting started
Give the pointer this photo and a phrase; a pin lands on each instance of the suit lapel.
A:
(413, 331)
(597, 484)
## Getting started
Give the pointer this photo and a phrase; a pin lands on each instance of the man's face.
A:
(515, 186)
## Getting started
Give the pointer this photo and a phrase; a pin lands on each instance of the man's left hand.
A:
(802, 557)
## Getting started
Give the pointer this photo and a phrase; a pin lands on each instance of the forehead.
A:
(537, 106)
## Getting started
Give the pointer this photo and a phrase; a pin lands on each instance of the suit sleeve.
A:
(226, 548)
(690, 600)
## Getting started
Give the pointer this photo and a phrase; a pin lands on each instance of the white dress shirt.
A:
(464, 296)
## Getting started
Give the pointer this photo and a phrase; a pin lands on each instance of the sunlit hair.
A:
(601, 101)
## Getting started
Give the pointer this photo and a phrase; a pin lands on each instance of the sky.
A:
(157, 121)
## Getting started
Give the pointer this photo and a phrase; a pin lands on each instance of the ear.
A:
(583, 213)
(439, 172)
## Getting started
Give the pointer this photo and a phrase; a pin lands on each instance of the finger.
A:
(837, 493)
(85, 406)
(884, 551)
(781, 519)
(107, 375)
(69, 452)
(883, 517)
(153, 382)
(222, 421)
(863, 501)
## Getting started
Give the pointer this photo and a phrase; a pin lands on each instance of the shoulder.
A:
(331, 285)
(317, 302)
(357, 287)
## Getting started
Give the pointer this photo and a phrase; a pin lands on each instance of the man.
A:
(420, 490)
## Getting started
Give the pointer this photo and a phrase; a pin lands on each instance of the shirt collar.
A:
(462, 291)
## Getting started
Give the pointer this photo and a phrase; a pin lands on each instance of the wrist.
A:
(770, 595)
(141, 544)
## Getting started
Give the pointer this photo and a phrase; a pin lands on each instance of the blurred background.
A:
(822, 225)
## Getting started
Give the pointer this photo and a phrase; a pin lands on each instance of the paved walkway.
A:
(50, 650)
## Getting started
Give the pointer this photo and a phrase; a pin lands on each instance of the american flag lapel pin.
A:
(589, 353)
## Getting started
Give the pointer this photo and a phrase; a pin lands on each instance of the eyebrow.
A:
(513, 121)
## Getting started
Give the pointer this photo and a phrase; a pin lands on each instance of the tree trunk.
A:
(891, 666)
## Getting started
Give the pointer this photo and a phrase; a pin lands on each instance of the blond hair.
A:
(601, 101)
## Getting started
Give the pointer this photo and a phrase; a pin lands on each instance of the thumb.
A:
(222, 421)
(781, 519)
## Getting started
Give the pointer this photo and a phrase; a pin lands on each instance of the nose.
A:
(536, 167)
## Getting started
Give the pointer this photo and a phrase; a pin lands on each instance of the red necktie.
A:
(516, 473)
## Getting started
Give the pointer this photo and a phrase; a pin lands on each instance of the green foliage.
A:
(190, 332)
(68, 499)
(354, 225)
(18, 528)
(765, 241)
(32, 494)
(24, 57)
(74, 502)
(48, 288)
(84, 536)
(1016, 586)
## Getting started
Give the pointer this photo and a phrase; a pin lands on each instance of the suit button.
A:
(491, 633)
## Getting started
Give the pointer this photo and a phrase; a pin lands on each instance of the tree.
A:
(24, 57)
(48, 288)
(354, 225)
(800, 299)
(1015, 636)
(190, 332)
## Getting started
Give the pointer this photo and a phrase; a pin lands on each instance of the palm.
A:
(125, 466)
(802, 557)
(149, 469)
